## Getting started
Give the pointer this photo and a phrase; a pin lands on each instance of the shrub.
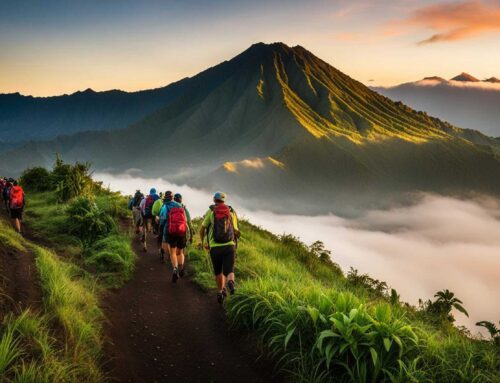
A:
(36, 179)
(111, 254)
(87, 222)
(71, 181)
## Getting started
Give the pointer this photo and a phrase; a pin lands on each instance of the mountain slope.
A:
(277, 120)
(472, 106)
(24, 118)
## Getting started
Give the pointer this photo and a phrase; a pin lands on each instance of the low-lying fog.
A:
(437, 243)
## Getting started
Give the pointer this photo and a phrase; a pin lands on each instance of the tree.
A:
(445, 302)
(492, 329)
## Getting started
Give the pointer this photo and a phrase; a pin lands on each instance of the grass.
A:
(84, 251)
(319, 326)
(30, 350)
(110, 256)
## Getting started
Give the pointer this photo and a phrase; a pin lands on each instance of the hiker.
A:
(147, 214)
(158, 204)
(3, 182)
(190, 229)
(173, 219)
(134, 205)
(16, 205)
(6, 192)
(220, 223)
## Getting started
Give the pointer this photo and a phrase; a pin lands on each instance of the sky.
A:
(54, 47)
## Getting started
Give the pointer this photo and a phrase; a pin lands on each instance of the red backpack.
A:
(16, 197)
(223, 231)
(177, 223)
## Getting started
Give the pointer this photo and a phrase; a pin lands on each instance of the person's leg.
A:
(159, 242)
(216, 257)
(16, 224)
(228, 267)
(173, 260)
(180, 261)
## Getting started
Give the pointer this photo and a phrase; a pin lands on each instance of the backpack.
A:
(177, 223)
(137, 199)
(148, 206)
(223, 230)
(16, 197)
(6, 192)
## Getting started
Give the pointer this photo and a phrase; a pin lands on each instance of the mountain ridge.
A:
(273, 113)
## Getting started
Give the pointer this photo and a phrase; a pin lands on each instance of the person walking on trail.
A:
(156, 216)
(134, 205)
(173, 218)
(147, 214)
(220, 225)
(16, 205)
(6, 192)
(190, 229)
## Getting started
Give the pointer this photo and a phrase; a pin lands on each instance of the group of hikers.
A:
(13, 198)
(168, 218)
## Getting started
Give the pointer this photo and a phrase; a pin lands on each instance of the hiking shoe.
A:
(220, 297)
(231, 287)
(224, 292)
(175, 275)
(181, 272)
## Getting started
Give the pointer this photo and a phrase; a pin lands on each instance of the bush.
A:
(71, 181)
(36, 179)
(87, 222)
(111, 254)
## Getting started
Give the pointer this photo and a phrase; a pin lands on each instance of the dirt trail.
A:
(161, 331)
(19, 283)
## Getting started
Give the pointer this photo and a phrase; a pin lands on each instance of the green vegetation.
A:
(79, 220)
(321, 326)
(84, 227)
(30, 350)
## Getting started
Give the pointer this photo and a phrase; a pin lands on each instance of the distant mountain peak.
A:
(434, 78)
(465, 77)
(492, 80)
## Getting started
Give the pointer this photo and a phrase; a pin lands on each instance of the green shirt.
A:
(155, 210)
(208, 222)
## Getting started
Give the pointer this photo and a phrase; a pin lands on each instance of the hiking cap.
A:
(152, 191)
(220, 196)
(177, 196)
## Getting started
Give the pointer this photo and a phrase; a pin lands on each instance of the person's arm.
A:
(203, 229)
(190, 224)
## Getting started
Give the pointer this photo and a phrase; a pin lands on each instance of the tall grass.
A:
(319, 326)
(30, 350)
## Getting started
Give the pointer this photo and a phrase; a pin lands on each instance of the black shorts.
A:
(177, 241)
(16, 213)
(223, 259)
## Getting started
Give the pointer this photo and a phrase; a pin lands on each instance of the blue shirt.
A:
(167, 206)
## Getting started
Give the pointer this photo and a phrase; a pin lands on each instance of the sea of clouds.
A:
(436, 243)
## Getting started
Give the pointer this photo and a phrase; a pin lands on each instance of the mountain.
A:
(465, 77)
(24, 118)
(468, 104)
(281, 126)
(493, 80)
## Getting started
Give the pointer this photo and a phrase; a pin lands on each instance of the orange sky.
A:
(56, 47)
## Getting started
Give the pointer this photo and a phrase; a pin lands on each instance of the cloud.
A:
(436, 243)
(488, 86)
(453, 21)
